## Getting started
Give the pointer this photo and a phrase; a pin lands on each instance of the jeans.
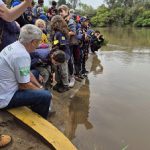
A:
(38, 100)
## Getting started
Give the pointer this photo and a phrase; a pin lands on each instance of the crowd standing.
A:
(39, 49)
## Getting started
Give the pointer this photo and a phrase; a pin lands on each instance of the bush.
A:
(138, 22)
(138, 15)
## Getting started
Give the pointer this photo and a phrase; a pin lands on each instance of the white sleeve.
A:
(22, 69)
(1, 2)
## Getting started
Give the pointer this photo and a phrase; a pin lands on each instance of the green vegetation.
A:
(60, 2)
(86, 10)
(119, 13)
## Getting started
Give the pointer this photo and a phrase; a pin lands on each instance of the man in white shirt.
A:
(18, 86)
(11, 15)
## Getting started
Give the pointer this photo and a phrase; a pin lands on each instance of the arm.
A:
(26, 86)
(72, 27)
(25, 79)
(13, 13)
(71, 33)
(33, 84)
(34, 81)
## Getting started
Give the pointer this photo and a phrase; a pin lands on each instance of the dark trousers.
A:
(71, 61)
(38, 100)
(77, 59)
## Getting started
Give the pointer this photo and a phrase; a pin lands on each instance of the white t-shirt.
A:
(15, 65)
(1, 2)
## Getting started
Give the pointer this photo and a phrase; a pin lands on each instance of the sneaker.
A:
(81, 76)
(51, 113)
(62, 89)
(77, 78)
(4, 140)
(85, 72)
(84, 75)
(72, 82)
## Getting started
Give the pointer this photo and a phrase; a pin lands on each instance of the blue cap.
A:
(43, 17)
(83, 19)
(90, 33)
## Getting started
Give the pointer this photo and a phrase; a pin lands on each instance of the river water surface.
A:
(112, 109)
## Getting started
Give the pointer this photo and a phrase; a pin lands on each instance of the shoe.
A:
(84, 75)
(81, 76)
(51, 113)
(56, 86)
(72, 82)
(4, 140)
(77, 78)
(85, 72)
(63, 88)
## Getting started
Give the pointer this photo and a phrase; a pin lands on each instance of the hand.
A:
(41, 79)
(18, 25)
(4, 13)
(98, 36)
(41, 87)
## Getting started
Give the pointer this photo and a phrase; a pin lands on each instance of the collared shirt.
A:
(15, 65)
(62, 42)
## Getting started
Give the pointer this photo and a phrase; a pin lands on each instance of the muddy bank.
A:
(23, 137)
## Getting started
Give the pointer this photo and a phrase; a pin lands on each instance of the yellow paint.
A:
(43, 127)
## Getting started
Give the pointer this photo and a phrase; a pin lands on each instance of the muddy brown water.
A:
(112, 110)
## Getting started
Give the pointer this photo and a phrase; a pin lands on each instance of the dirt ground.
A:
(26, 139)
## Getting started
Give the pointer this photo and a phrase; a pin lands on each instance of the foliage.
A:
(73, 3)
(143, 20)
(123, 12)
(45, 8)
(86, 10)
(60, 2)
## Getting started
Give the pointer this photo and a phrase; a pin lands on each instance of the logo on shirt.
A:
(63, 38)
(24, 71)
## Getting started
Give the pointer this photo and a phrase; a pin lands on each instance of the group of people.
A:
(38, 47)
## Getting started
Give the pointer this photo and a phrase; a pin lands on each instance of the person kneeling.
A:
(18, 86)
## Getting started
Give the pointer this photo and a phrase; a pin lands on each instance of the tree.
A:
(74, 3)
(111, 3)
(86, 10)
(128, 3)
(61, 2)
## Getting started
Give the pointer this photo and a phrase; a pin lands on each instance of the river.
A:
(112, 110)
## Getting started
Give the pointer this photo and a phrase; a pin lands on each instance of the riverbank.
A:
(26, 139)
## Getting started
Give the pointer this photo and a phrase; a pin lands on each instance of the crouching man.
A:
(18, 86)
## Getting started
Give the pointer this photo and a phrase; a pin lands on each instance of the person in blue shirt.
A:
(96, 41)
(73, 42)
(60, 40)
(82, 36)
